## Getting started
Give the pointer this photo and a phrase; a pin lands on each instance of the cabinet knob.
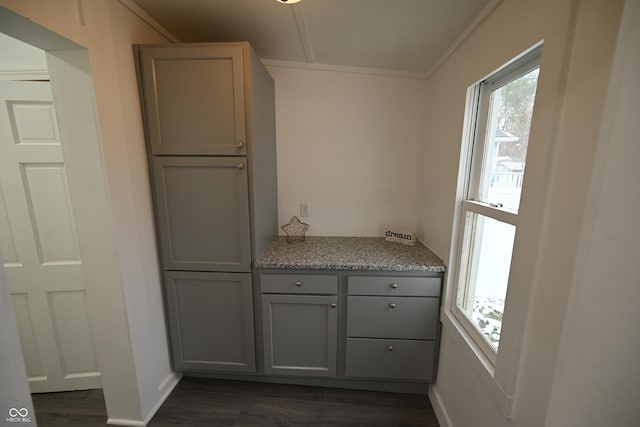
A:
(298, 283)
(240, 166)
(333, 305)
(392, 305)
(394, 285)
(240, 145)
(390, 348)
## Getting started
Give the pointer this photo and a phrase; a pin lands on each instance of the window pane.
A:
(486, 260)
(509, 121)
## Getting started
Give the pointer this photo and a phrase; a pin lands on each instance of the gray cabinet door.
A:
(194, 99)
(203, 213)
(211, 321)
(300, 334)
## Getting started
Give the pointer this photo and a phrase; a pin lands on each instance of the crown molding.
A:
(345, 69)
(144, 16)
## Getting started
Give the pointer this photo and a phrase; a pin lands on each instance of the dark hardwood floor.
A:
(205, 402)
(72, 409)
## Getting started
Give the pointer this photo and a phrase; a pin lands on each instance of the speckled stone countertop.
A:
(349, 253)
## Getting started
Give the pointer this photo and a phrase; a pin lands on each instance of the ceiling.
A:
(406, 35)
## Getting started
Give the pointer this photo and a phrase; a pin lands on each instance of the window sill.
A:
(478, 363)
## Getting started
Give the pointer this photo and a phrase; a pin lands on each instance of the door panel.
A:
(33, 122)
(7, 244)
(40, 252)
(203, 206)
(73, 336)
(194, 100)
(27, 334)
(50, 212)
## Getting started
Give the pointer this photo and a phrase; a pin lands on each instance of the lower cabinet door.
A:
(390, 359)
(211, 321)
(300, 334)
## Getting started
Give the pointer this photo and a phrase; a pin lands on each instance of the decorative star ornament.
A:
(295, 229)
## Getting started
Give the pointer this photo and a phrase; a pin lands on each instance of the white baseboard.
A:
(168, 384)
(438, 408)
(165, 388)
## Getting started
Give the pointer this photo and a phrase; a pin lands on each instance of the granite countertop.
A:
(349, 253)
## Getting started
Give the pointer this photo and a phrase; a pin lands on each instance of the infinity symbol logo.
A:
(22, 412)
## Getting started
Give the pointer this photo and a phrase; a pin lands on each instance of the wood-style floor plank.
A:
(198, 402)
(73, 409)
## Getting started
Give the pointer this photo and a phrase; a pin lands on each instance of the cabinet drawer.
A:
(392, 317)
(395, 359)
(298, 284)
(398, 286)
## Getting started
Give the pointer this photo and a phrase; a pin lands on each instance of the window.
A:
(501, 108)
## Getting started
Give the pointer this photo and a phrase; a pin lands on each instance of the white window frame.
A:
(471, 165)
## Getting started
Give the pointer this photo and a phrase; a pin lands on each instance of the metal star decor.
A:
(295, 230)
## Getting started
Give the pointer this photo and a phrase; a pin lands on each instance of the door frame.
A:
(74, 97)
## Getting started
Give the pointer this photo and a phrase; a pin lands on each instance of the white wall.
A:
(348, 145)
(125, 302)
(143, 299)
(579, 37)
(597, 379)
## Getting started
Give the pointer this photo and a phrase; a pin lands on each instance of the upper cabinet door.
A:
(203, 213)
(194, 100)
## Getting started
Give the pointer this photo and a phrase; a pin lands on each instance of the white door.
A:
(38, 243)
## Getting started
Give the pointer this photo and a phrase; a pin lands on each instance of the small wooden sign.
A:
(400, 236)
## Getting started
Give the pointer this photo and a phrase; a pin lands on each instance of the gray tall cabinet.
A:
(210, 128)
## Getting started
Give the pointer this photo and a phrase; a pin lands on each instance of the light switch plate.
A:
(304, 210)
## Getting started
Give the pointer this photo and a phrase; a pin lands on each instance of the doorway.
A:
(40, 208)
(38, 243)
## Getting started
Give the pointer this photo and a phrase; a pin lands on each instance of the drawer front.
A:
(391, 359)
(298, 284)
(392, 317)
(397, 286)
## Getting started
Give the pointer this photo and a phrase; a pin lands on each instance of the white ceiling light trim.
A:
(287, 1)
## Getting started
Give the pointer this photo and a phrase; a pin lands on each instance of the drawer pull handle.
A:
(240, 145)
(390, 348)
(333, 305)
(392, 305)
(240, 166)
(298, 283)
(394, 285)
